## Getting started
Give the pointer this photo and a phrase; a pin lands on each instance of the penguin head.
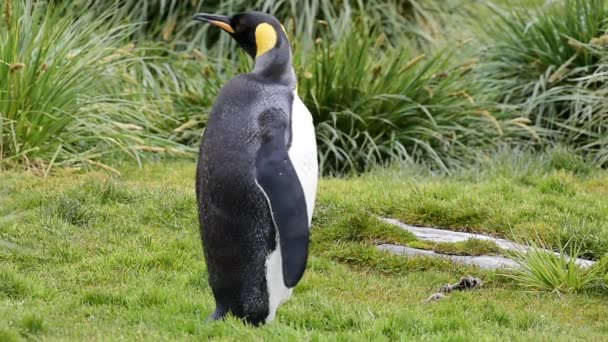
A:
(257, 33)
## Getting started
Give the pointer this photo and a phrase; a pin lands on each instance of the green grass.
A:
(526, 195)
(473, 247)
(93, 256)
(97, 255)
(546, 271)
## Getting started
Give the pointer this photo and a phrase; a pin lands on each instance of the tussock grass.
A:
(377, 93)
(374, 103)
(550, 62)
(543, 270)
(386, 80)
(177, 88)
(59, 99)
(403, 102)
(169, 20)
(13, 286)
(70, 211)
(32, 324)
(158, 19)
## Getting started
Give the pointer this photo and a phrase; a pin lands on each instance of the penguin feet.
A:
(217, 315)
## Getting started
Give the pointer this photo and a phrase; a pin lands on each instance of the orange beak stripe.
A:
(222, 25)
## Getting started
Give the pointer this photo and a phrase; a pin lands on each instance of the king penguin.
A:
(257, 175)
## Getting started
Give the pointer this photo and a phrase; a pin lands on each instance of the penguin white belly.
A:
(303, 156)
(278, 293)
(303, 152)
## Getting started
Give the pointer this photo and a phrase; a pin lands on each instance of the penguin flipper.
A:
(277, 177)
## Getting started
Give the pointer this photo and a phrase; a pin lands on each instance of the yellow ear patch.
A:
(265, 38)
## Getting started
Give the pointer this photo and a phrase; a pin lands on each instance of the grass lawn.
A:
(96, 257)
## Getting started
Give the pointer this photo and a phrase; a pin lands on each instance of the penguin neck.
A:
(275, 66)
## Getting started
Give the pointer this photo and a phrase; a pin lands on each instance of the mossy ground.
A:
(95, 257)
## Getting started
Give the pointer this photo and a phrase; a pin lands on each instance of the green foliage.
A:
(544, 270)
(10, 335)
(472, 246)
(387, 81)
(169, 20)
(160, 19)
(177, 90)
(373, 103)
(70, 211)
(60, 102)
(12, 285)
(602, 269)
(563, 159)
(102, 298)
(368, 258)
(507, 195)
(550, 62)
(32, 324)
(364, 227)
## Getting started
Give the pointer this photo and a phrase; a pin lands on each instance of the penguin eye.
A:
(239, 26)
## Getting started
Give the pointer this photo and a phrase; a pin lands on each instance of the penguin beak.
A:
(220, 21)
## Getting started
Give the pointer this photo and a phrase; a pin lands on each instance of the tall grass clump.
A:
(543, 270)
(60, 100)
(178, 65)
(166, 20)
(169, 20)
(551, 62)
(177, 88)
(374, 103)
(375, 98)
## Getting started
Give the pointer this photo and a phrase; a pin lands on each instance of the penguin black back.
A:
(253, 209)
